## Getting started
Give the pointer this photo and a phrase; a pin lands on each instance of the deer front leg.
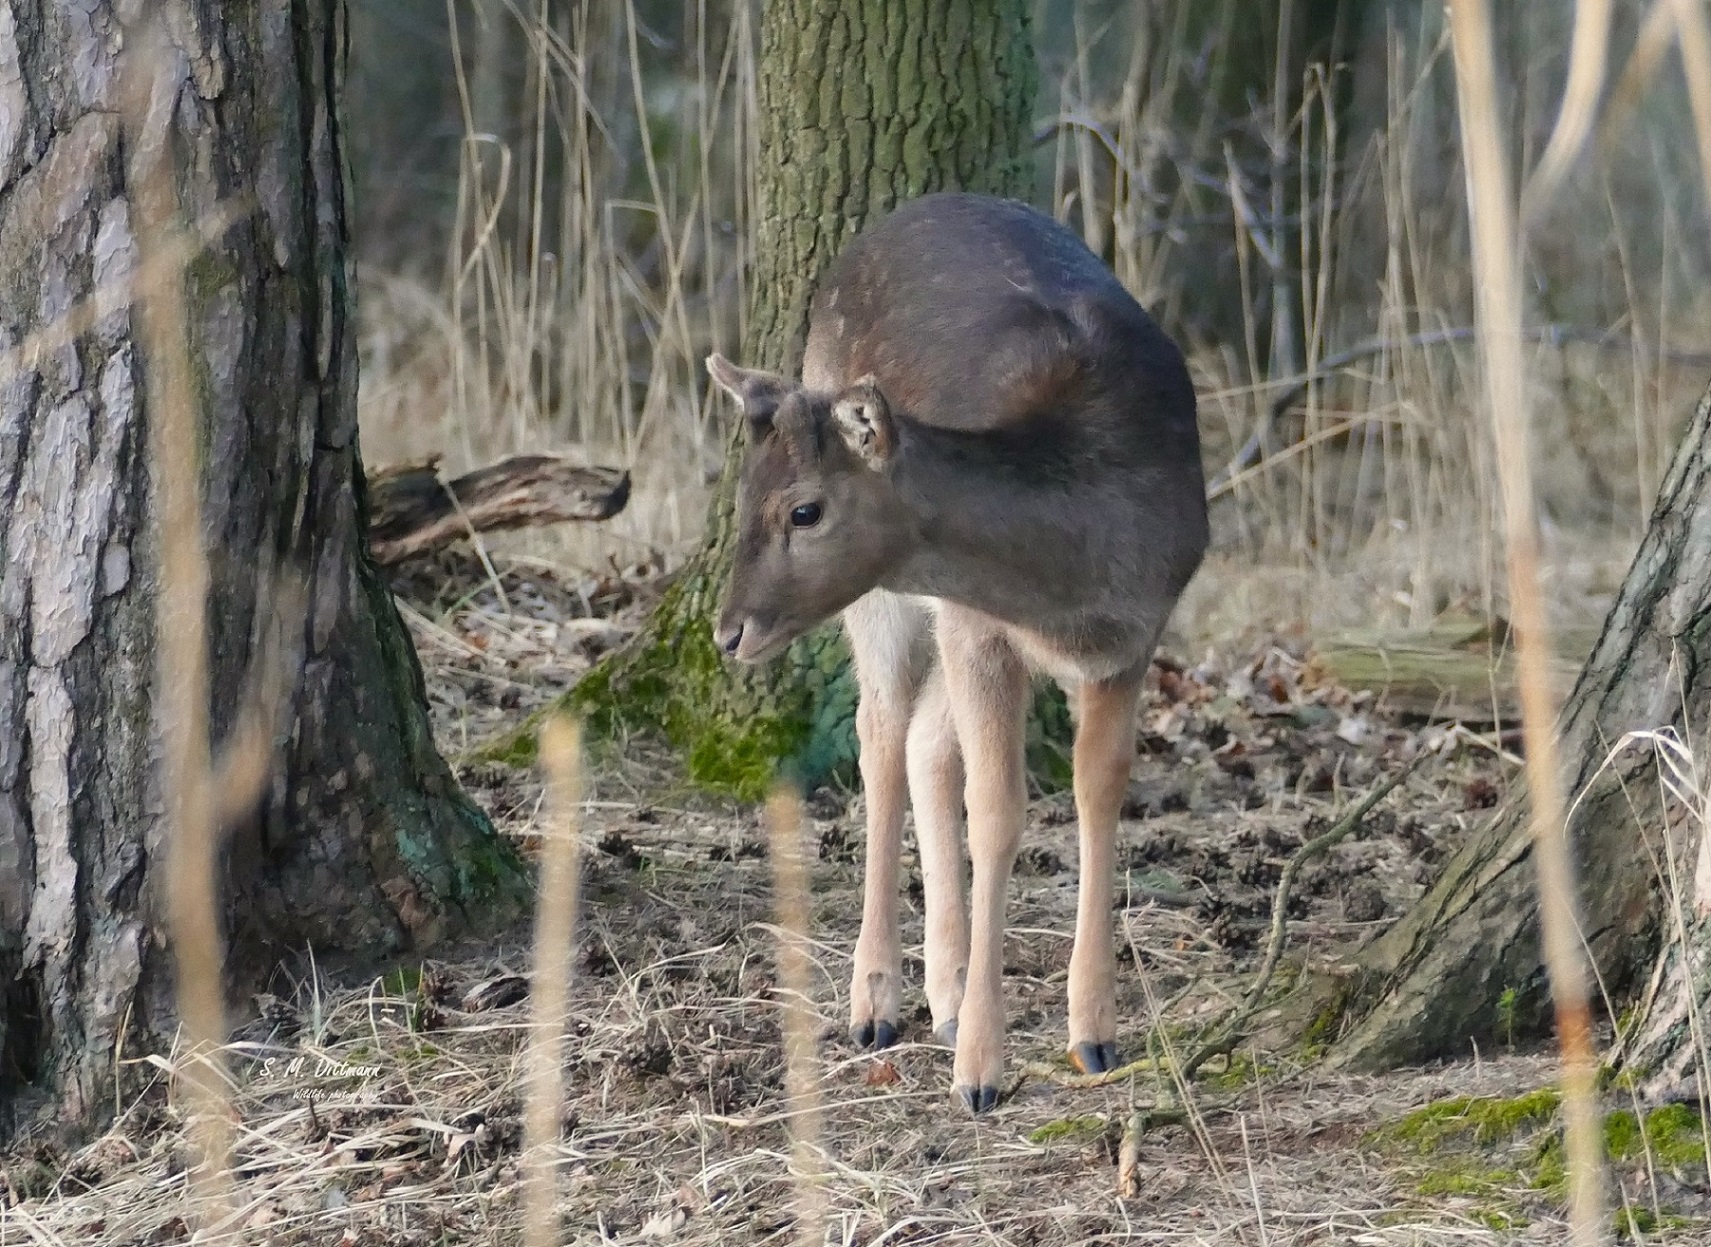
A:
(1104, 750)
(876, 984)
(988, 687)
(935, 790)
(888, 639)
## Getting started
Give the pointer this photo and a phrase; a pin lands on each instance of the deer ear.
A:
(863, 419)
(758, 393)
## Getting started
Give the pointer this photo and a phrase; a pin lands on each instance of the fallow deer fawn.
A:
(991, 465)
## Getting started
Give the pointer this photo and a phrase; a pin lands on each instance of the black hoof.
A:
(979, 1099)
(880, 1034)
(1092, 1058)
(946, 1034)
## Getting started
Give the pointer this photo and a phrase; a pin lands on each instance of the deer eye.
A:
(805, 516)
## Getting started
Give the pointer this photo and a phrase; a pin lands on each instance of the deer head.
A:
(819, 521)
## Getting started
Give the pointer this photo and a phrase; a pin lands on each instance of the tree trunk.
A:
(363, 846)
(1464, 965)
(1666, 1046)
(862, 105)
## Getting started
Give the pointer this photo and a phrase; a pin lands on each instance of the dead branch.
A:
(412, 510)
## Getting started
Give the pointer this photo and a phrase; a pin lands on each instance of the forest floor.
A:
(388, 1112)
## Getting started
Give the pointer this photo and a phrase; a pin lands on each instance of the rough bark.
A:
(1666, 1047)
(862, 105)
(1464, 965)
(363, 844)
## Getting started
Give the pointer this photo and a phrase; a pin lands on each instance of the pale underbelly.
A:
(1098, 649)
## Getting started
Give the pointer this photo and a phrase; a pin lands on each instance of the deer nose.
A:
(728, 636)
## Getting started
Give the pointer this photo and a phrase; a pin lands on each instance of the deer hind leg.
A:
(935, 790)
(1104, 751)
(988, 686)
(888, 636)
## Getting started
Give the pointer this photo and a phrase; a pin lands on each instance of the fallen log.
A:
(1458, 668)
(412, 510)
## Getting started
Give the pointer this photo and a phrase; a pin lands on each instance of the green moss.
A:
(403, 981)
(1240, 1070)
(1086, 1127)
(1050, 739)
(1672, 1137)
(1626, 1021)
(1488, 1189)
(1500, 1220)
(1550, 1168)
(209, 272)
(1481, 1120)
(1454, 1134)
(518, 749)
(1327, 1023)
(488, 870)
(1631, 1222)
(1467, 1179)
(1622, 1136)
(745, 762)
(738, 739)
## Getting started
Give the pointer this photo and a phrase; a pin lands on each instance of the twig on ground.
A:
(1142, 1119)
(1041, 1072)
(1129, 1155)
(1316, 847)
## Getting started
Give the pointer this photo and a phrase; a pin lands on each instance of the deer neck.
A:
(995, 519)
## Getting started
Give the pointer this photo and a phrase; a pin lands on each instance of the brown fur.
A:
(997, 450)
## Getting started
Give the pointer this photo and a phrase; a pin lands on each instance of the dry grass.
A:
(1377, 496)
(393, 1111)
(402, 1123)
(579, 321)
(576, 303)
(582, 322)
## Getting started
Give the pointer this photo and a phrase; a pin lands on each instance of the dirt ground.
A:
(388, 1112)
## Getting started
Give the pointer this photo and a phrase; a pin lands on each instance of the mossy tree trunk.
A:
(1464, 965)
(863, 104)
(364, 844)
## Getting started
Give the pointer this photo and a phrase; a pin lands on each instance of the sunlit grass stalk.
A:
(1496, 268)
(555, 932)
(801, 1073)
(182, 688)
(1693, 33)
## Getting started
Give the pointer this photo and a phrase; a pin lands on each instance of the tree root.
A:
(1040, 1072)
